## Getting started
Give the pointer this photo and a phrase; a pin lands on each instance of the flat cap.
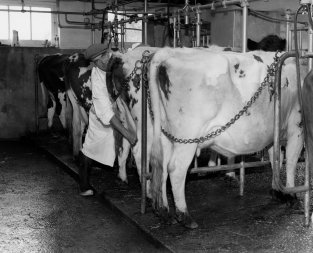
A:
(95, 50)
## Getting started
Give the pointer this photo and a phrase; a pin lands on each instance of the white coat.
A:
(99, 141)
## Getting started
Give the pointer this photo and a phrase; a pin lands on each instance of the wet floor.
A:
(41, 211)
(227, 222)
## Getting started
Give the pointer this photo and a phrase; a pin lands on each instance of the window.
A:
(30, 25)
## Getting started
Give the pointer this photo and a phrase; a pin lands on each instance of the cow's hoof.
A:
(165, 216)
(289, 199)
(186, 220)
(121, 184)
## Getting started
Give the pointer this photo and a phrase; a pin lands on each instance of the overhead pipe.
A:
(71, 22)
(220, 4)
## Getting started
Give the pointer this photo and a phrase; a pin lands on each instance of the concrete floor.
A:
(227, 222)
(41, 210)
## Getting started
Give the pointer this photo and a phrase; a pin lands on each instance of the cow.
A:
(51, 78)
(198, 97)
(269, 43)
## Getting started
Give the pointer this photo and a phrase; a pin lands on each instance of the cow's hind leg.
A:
(178, 166)
(293, 150)
(51, 110)
(122, 158)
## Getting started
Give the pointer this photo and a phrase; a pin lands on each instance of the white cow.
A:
(194, 93)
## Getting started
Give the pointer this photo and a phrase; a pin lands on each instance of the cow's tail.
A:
(156, 158)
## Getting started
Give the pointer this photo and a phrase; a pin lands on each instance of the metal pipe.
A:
(310, 47)
(198, 27)
(220, 4)
(36, 93)
(122, 36)
(244, 5)
(242, 176)
(228, 167)
(144, 168)
(74, 22)
(288, 33)
(175, 31)
(52, 12)
(145, 21)
(186, 12)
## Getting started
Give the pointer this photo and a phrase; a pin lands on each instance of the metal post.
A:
(122, 36)
(276, 147)
(144, 128)
(145, 23)
(36, 94)
(175, 31)
(186, 12)
(310, 47)
(198, 27)
(242, 176)
(307, 193)
(288, 37)
(244, 5)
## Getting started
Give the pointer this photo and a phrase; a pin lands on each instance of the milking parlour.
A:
(156, 126)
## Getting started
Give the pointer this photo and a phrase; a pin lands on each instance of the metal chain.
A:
(143, 68)
(267, 81)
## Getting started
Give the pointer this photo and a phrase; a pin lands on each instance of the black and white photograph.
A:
(156, 126)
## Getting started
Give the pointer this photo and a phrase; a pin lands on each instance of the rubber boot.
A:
(84, 175)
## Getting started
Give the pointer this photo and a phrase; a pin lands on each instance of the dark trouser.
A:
(84, 173)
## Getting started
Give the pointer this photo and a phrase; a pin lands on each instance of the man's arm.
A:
(131, 137)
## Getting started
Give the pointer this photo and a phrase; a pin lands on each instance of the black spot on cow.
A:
(164, 81)
(77, 82)
(241, 74)
(286, 83)
(133, 101)
(257, 58)
(236, 67)
(270, 43)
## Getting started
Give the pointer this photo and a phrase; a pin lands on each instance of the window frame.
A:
(35, 4)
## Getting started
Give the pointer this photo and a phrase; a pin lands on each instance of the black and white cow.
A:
(209, 89)
(269, 43)
(51, 78)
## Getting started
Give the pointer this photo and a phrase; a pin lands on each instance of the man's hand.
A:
(132, 138)
(129, 135)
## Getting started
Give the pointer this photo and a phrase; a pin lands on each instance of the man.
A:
(99, 141)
